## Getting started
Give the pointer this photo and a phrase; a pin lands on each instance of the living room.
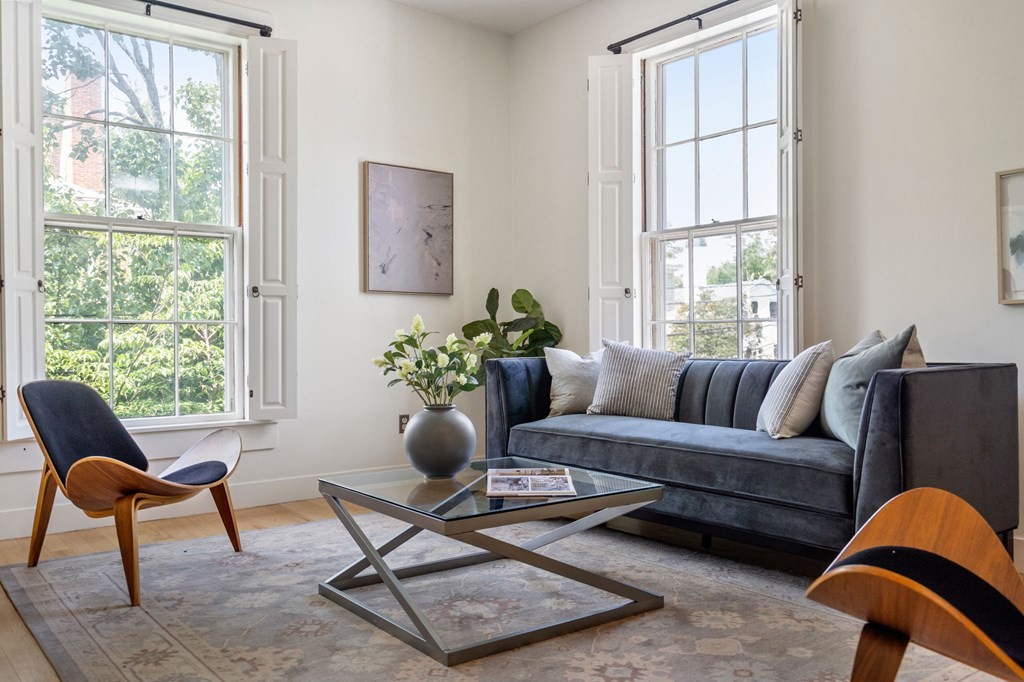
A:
(906, 118)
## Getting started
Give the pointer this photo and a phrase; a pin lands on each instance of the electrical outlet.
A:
(403, 421)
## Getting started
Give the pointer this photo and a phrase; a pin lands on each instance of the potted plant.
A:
(535, 332)
(440, 440)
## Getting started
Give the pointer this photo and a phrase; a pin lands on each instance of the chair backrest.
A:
(73, 422)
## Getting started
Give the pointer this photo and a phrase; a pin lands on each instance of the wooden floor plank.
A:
(21, 659)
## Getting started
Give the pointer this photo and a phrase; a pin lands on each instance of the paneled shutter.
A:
(271, 278)
(613, 223)
(790, 134)
(22, 204)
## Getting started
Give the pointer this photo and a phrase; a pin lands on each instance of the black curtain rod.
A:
(616, 48)
(264, 30)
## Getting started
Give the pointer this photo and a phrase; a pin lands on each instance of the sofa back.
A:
(724, 392)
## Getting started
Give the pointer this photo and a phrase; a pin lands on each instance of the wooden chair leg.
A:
(222, 497)
(879, 654)
(44, 505)
(125, 514)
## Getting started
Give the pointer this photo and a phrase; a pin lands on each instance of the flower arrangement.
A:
(436, 375)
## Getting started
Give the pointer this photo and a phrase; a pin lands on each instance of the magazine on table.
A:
(546, 482)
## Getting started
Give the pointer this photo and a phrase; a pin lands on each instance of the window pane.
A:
(721, 179)
(677, 337)
(714, 269)
(677, 91)
(715, 340)
(143, 370)
(760, 340)
(75, 262)
(140, 81)
(763, 171)
(680, 193)
(143, 276)
(73, 167)
(199, 90)
(762, 76)
(140, 174)
(73, 65)
(199, 180)
(202, 363)
(202, 279)
(760, 265)
(676, 257)
(721, 88)
(79, 352)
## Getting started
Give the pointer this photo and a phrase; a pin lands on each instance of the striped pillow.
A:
(793, 401)
(637, 382)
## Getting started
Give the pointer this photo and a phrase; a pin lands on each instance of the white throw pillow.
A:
(573, 379)
(793, 401)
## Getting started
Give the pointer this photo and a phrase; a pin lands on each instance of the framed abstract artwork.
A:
(1010, 216)
(408, 230)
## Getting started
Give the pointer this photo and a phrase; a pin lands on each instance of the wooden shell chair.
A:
(98, 466)
(928, 569)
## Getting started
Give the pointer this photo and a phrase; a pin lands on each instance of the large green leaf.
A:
(520, 325)
(473, 329)
(524, 302)
(492, 303)
(552, 329)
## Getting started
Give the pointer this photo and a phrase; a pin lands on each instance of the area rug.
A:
(210, 614)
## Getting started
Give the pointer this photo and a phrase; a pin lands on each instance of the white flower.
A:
(471, 363)
(442, 360)
(461, 378)
(380, 361)
(406, 367)
(451, 341)
(400, 334)
(482, 340)
(417, 324)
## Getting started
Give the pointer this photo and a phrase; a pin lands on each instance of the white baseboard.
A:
(17, 523)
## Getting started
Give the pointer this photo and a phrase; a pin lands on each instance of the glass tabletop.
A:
(465, 495)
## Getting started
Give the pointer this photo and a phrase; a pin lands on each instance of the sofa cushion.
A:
(637, 382)
(573, 379)
(794, 400)
(805, 472)
(848, 382)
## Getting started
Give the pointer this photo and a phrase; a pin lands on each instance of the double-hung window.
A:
(148, 177)
(142, 239)
(712, 190)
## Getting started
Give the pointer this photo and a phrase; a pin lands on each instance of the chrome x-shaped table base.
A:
(425, 637)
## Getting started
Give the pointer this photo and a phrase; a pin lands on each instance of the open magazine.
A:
(547, 482)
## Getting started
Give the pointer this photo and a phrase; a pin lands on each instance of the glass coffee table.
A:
(459, 508)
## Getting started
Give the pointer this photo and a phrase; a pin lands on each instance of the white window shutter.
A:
(613, 222)
(22, 212)
(790, 299)
(271, 278)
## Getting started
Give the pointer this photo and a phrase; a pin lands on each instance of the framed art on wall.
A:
(408, 230)
(1010, 216)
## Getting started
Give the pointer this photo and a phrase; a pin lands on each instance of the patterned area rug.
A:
(210, 614)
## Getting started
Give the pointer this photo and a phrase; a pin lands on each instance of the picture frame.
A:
(1010, 219)
(408, 230)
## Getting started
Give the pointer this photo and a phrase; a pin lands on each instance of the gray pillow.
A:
(573, 380)
(637, 382)
(794, 398)
(848, 382)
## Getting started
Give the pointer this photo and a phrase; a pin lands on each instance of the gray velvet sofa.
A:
(946, 426)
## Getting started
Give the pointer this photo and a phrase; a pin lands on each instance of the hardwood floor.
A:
(21, 658)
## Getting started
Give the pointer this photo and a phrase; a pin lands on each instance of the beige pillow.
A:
(573, 379)
(637, 382)
(794, 399)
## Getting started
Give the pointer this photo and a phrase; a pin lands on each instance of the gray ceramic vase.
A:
(439, 441)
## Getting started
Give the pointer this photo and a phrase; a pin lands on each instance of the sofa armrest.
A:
(518, 391)
(952, 427)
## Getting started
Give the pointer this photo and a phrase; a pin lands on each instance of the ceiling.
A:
(507, 16)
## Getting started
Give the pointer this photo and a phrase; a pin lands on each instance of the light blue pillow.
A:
(848, 382)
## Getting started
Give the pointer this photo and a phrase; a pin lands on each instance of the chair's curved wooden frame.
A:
(102, 486)
(899, 610)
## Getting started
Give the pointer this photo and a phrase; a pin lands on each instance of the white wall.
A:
(910, 109)
(377, 81)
